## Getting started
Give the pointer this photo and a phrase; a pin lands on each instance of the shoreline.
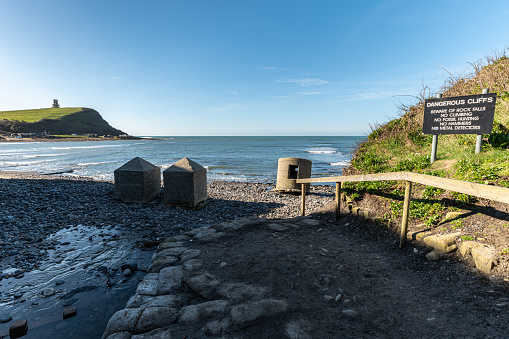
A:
(9, 139)
(37, 205)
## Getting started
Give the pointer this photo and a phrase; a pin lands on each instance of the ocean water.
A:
(226, 158)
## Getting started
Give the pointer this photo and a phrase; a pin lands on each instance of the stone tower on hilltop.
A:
(55, 103)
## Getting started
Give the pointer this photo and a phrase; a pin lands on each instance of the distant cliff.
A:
(56, 121)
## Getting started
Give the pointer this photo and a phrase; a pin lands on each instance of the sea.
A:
(244, 159)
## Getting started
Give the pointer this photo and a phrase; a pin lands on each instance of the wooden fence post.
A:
(406, 210)
(337, 208)
(303, 206)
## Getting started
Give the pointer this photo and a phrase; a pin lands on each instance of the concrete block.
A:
(185, 183)
(289, 170)
(137, 181)
(18, 328)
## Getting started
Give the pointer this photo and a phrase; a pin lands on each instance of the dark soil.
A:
(481, 220)
(396, 293)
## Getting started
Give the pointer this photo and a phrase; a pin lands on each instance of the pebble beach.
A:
(64, 235)
(33, 207)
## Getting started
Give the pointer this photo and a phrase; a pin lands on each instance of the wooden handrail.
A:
(494, 193)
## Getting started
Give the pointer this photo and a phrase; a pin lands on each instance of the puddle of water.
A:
(82, 271)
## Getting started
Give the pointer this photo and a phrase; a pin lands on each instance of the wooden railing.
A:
(499, 194)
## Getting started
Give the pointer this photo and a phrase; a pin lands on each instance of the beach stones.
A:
(137, 181)
(185, 183)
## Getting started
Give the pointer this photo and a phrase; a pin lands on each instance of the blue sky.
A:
(214, 67)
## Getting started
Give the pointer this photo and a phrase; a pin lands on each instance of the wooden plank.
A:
(500, 194)
(406, 212)
(337, 206)
(303, 202)
(393, 176)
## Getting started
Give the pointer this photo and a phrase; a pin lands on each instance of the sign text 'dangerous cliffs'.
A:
(471, 114)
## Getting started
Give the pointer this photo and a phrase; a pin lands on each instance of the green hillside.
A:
(399, 145)
(34, 115)
(56, 121)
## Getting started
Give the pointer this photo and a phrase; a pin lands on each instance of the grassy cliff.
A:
(56, 121)
(399, 145)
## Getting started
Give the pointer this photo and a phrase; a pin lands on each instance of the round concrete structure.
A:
(289, 170)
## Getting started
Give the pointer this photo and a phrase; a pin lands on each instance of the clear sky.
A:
(232, 67)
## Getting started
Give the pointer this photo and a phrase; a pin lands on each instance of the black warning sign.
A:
(471, 114)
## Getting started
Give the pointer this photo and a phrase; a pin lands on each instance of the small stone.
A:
(130, 265)
(69, 312)
(433, 255)
(18, 328)
(5, 318)
(18, 295)
(277, 227)
(59, 282)
(47, 292)
(416, 250)
(223, 264)
(328, 298)
(338, 297)
(127, 273)
(349, 313)
(10, 219)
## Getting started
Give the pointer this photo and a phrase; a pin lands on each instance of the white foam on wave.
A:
(21, 163)
(88, 147)
(339, 163)
(95, 163)
(322, 150)
(31, 156)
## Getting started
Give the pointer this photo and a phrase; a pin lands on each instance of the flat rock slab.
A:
(206, 310)
(170, 280)
(204, 285)
(246, 314)
(155, 317)
(144, 301)
(277, 227)
(445, 243)
(123, 321)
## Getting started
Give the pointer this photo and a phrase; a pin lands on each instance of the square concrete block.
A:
(185, 183)
(137, 181)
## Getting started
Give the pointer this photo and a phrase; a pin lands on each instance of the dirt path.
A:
(395, 293)
(323, 279)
